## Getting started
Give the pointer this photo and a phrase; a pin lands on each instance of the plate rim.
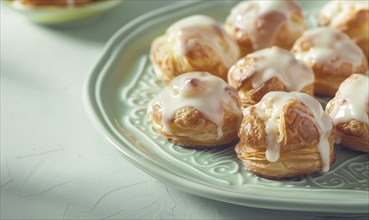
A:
(90, 102)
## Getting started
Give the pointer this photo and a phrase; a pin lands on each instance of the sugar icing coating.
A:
(352, 100)
(201, 90)
(337, 11)
(275, 102)
(273, 62)
(208, 31)
(250, 15)
(328, 47)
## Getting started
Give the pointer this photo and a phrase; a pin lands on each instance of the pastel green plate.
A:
(116, 94)
(63, 15)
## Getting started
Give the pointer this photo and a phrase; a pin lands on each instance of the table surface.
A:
(54, 164)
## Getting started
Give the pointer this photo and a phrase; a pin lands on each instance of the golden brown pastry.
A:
(270, 69)
(332, 55)
(195, 43)
(350, 17)
(53, 3)
(286, 134)
(260, 24)
(349, 110)
(198, 110)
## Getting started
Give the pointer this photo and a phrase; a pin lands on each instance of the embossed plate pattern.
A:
(116, 96)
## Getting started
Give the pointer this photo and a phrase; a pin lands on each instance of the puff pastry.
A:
(260, 24)
(270, 69)
(349, 110)
(195, 43)
(52, 3)
(350, 17)
(198, 110)
(332, 55)
(286, 134)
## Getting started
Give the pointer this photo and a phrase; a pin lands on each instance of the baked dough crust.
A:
(255, 65)
(197, 110)
(298, 138)
(351, 133)
(203, 47)
(330, 74)
(271, 28)
(250, 96)
(354, 135)
(190, 128)
(353, 22)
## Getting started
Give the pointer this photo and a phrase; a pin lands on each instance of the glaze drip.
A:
(269, 110)
(352, 100)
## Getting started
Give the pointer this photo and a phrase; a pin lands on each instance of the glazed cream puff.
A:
(350, 17)
(349, 110)
(286, 134)
(266, 70)
(52, 3)
(197, 110)
(332, 55)
(257, 25)
(195, 43)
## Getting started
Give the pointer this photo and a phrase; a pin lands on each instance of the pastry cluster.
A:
(53, 3)
(251, 84)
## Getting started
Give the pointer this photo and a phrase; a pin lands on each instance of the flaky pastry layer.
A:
(298, 138)
(190, 128)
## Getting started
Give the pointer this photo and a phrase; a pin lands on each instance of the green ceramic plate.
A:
(122, 83)
(63, 15)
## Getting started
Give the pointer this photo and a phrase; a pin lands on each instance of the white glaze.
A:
(275, 62)
(329, 47)
(337, 12)
(206, 31)
(248, 15)
(200, 90)
(352, 100)
(269, 109)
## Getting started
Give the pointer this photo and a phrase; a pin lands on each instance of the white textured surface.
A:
(54, 164)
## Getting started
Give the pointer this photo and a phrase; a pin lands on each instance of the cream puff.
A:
(349, 110)
(197, 110)
(257, 25)
(266, 70)
(53, 3)
(286, 134)
(332, 55)
(195, 43)
(350, 17)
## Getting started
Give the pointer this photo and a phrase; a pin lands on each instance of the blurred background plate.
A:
(51, 15)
